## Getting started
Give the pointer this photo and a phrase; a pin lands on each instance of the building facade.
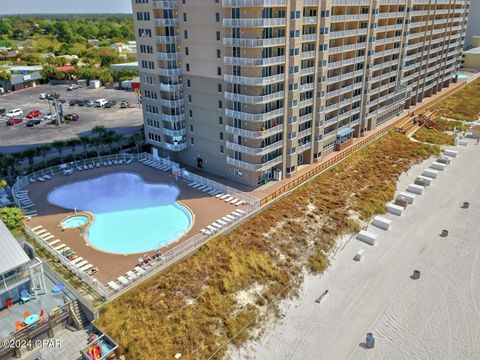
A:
(252, 89)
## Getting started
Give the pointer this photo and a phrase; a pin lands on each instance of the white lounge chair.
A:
(207, 190)
(226, 219)
(113, 285)
(90, 166)
(228, 199)
(98, 165)
(44, 235)
(47, 177)
(192, 184)
(202, 187)
(217, 225)
(241, 211)
(123, 280)
(211, 228)
(218, 196)
(131, 275)
(36, 228)
(139, 270)
(76, 260)
(129, 161)
(41, 179)
(31, 213)
(82, 263)
(221, 222)
(197, 186)
(86, 267)
(54, 242)
(40, 232)
(205, 232)
(233, 201)
(50, 237)
(224, 196)
(59, 247)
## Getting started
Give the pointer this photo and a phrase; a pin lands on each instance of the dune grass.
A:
(432, 136)
(195, 306)
(463, 105)
(451, 125)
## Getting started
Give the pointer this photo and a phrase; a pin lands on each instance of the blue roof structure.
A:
(345, 132)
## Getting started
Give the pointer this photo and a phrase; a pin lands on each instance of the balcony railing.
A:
(255, 151)
(254, 117)
(252, 166)
(164, 4)
(251, 23)
(168, 39)
(251, 99)
(170, 87)
(241, 61)
(165, 22)
(254, 81)
(254, 43)
(259, 134)
(253, 3)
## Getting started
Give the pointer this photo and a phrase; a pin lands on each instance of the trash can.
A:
(444, 233)
(416, 274)
(370, 341)
(465, 205)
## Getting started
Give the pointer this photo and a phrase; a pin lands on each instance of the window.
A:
(192, 141)
(221, 149)
(220, 120)
(190, 113)
(186, 51)
(191, 128)
(185, 34)
(220, 104)
(221, 136)
(217, 17)
(219, 71)
(218, 35)
(188, 67)
(219, 87)
(189, 84)
(219, 54)
(189, 98)
(185, 17)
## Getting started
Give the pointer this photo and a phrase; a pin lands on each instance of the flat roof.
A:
(12, 254)
(474, 51)
(25, 68)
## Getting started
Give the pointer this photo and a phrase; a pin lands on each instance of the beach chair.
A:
(224, 197)
(233, 201)
(226, 219)
(36, 228)
(221, 222)
(129, 161)
(86, 267)
(59, 247)
(82, 263)
(139, 270)
(28, 206)
(207, 190)
(91, 271)
(211, 228)
(32, 180)
(218, 196)
(228, 199)
(47, 177)
(76, 260)
(192, 184)
(40, 232)
(241, 211)
(202, 187)
(205, 232)
(233, 215)
(90, 166)
(197, 186)
(85, 167)
(217, 225)
(41, 179)
(113, 286)
(131, 275)
(123, 280)
(31, 213)
(45, 234)
(49, 237)
(98, 164)
(54, 242)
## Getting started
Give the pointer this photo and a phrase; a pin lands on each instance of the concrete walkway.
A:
(435, 317)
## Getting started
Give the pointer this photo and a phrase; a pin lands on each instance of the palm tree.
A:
(118, 140)
(30, 154)
(99, 130)
(43, 152)
(59, 145)
(136, 139)
(72, 144)
(85, 140)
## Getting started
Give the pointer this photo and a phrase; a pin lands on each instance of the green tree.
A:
(4, 76)
(72, 144)
(59, 145)
(3, 183)
(85, 140)
(12, 218)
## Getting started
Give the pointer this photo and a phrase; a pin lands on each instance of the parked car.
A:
(125, 104)
(50, 116)
(3, 111)
(72, 117)
(61, 101)
(89, 103)
(42, 96)
(73, 87)
(52, 96)
(14, 113)
(2, 90)
(72, 102)
(33, 122)
(14, 121)
(100, 102)
(34, 114)
(110, 103)
(80, 102)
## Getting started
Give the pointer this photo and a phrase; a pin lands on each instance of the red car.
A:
(61, 101)
(72, 117)
(14, 121)
(33, 114)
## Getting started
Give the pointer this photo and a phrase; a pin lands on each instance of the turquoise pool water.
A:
(131, 216)
(75, 221)
(462, 76)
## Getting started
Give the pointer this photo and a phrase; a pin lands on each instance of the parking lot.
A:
(18, 137)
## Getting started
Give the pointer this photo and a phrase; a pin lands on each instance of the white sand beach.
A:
(434, 317)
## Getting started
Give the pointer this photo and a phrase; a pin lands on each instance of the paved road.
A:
(436, 317)
(19, 137)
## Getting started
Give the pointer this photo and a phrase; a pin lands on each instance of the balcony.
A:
(254, 167)
(254, 100)
(391, 15)
(254, 81)
(172, 103)
(168, 39)
(351, 2)
(170, 72)
(308, 54)
(309, 37)
(304, 147)
(345, 62)
(253, 3)
(172, 118)
(254, 23)
(255, 151)
(172, 133)
(346, 33)
(260, 134)
(252, 62)
(390, 27)
(304, 133)
(165, 22)
(351, 47)
(173, 147)
(164, 4)
(168, 56)
(349, 17)
(171, 87)
(254, 43)
(254, 117)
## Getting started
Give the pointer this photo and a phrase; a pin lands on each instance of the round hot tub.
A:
(75, 221)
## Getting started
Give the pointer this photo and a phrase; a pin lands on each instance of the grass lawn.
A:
(433, 136)
(198, 304)
(462, 105)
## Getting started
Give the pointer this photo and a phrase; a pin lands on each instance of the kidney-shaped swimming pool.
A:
(131, 215)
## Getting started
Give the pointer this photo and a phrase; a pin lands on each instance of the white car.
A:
(73, 87)
(14, 113)
(42, 96)
(100, 102)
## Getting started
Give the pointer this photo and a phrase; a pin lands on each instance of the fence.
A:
(168, 257)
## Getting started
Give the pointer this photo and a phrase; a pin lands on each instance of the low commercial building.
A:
(22, 77)
(124, 66)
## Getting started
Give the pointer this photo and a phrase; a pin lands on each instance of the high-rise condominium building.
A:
(251, 89)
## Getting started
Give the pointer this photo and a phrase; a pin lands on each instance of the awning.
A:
(345, 132)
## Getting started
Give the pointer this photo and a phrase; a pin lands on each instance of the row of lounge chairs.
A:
(217, 193)
(126, 279)
(42, 178)
(155, 164)
(65, 251)
(223, 222)
(26, 203)
(97, 164)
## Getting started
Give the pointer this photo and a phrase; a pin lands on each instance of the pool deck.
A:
(205, 208)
